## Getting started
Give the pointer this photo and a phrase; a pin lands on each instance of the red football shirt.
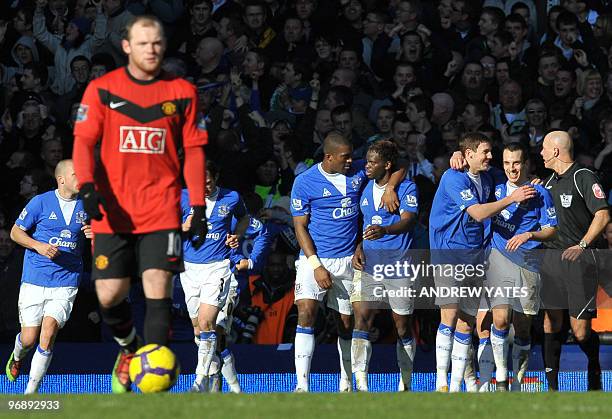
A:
(141, 125)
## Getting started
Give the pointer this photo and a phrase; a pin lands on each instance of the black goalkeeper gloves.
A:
(92, 201)
(199, 226)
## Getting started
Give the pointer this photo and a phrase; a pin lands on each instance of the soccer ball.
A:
(154, 368)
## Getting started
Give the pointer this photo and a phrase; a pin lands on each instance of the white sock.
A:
(361, 351)
(486, 363)
(499, 343)
(304, 347)
(344, 350)
(213, 374)
(19, 352)
(38, 369)
(444, 346)
(406, 350)
(228, 370)
(470, 376)
(206, 351)
(460, 357)
(520, 350)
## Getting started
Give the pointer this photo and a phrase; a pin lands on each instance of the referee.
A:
(569, 274)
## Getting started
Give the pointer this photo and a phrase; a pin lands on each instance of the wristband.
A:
(314, 262)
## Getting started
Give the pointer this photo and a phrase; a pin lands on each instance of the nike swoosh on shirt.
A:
(115, 105)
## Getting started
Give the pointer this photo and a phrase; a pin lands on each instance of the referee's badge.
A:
(598, 192)
(566, 200)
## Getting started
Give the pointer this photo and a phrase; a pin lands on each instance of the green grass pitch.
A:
(321, 406)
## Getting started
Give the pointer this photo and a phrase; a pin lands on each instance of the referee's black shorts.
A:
(129, 255)
(570, 285)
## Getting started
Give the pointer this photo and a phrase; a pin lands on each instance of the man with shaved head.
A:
(568, 273)
(52, 229)
(325, 209)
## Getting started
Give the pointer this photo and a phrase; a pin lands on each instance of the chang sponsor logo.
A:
(347, 209)
(60, 242)
(499, 221)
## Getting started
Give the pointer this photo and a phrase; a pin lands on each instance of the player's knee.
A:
(582, 334)
(207, 325)
(306, 313)
(28, 338)
(345, 326)
(501, 323)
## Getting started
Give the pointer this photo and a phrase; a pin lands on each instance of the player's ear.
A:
(125, 45)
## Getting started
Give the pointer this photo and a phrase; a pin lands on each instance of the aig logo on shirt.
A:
(145, 140)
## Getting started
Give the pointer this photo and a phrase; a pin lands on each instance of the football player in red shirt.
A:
(141, 117)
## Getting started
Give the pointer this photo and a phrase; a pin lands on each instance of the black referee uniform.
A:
(577, 195)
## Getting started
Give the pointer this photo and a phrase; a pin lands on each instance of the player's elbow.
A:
(604, 216)
(15, 233)
(476, 215)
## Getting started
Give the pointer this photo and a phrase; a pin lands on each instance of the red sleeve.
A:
(194, 128)
(87, 130)
(195, 174)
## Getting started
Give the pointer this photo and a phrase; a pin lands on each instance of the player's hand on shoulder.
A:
(390, 200)
(47, 250)
(86, 229)
(199, 226)
(457, 162)
(232, 241)
(536, 181)
(323, 278)
(523, 193)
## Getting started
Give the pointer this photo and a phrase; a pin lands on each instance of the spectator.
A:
(272, 294)
(259, 33)
(76, 41)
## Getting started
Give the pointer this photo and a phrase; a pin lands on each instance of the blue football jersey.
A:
(225, 205)
(255, 245)
(450, 225)
(408, 197)
(533, 215)
(45, 221)
(332, 201)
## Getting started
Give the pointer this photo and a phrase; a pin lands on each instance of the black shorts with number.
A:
(129, 255)
(570, 285)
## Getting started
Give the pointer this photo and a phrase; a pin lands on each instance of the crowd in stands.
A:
(275, 77)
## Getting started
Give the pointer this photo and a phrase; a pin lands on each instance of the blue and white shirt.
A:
(450, 225)
(390, 247)
(533, 215)
(51, 219)
(255, 245)
(332, 201)
(221, 206)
